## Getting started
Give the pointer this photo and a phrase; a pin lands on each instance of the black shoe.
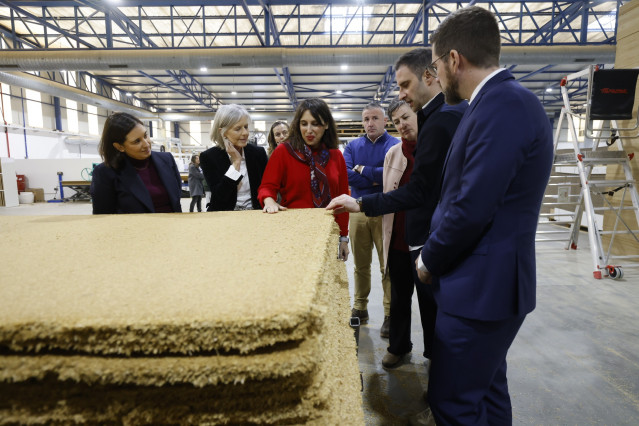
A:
(385, 330)
(362, 315)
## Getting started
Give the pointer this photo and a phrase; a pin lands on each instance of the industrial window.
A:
(90, 83)
(196, 131)
(73, 125)
(72, 78)
(345, 19)
(34, 108)
(92, 118)
(7, 112)
(167, 130)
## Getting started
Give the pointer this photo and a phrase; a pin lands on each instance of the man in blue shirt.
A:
(364, 162)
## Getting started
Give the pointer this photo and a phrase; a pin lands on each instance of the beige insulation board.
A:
(63, 394)
(161, 283)
(281, 362)
(40, 395)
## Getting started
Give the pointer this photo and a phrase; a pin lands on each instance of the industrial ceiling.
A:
(182, 59)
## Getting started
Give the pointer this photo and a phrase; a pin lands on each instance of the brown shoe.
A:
(391, 360)
(385, 330)
(362, 315)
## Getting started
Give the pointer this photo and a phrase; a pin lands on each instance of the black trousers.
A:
(403, 276)
(196, 199)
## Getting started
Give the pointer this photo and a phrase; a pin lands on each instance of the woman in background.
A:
(277, 135)
(233, 168)
(308, 169)
(196, 183)
(132, 178)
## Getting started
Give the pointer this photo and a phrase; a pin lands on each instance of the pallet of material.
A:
(102, 319)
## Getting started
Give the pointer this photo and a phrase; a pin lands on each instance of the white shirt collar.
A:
(483, 82)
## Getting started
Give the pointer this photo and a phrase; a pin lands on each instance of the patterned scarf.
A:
(316, 162)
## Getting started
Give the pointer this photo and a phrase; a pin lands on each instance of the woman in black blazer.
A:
(132, 178)
(233, 168)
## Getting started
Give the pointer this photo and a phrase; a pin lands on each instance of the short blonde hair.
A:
(226, 117)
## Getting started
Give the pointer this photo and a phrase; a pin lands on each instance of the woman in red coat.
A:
(308, 170)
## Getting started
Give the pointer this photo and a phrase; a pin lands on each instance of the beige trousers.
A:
(366, 232)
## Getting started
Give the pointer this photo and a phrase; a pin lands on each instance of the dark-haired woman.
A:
(308, 170)
(277, 135)
(132, 178)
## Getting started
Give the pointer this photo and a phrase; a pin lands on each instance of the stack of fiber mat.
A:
(233, 317)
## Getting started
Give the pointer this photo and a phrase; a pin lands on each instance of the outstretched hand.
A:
(271, 206)
(343, 203)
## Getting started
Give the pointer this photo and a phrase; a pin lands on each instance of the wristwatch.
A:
(358, 200)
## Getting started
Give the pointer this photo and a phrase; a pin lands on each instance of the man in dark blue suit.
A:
(480, 255)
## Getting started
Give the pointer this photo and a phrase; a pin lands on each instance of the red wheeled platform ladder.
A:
(578, 182)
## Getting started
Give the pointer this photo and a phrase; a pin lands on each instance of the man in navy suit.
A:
(480, 254)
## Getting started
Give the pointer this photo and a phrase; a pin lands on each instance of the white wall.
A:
(41, 144)
(9, 182)
(43, 173)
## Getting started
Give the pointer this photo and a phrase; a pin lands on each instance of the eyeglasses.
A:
(432, 68)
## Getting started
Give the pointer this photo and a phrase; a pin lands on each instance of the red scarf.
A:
(408, 149)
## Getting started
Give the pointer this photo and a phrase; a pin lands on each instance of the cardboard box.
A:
(38, 194)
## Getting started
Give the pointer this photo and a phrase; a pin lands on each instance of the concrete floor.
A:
(574, 362)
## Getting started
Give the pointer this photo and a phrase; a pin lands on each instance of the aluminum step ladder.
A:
(585, 188)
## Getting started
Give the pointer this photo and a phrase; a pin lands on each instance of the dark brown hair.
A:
(473, 32)
(417, 60)
(116, 127)
(320, 112)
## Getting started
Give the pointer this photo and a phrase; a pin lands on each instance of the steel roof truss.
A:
(253, 24)
(287, 84)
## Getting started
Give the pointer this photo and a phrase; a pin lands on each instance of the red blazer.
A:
(292, 179)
